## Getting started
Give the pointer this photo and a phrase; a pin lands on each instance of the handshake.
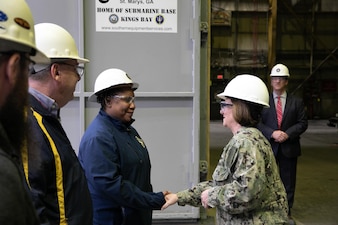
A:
(172, 198)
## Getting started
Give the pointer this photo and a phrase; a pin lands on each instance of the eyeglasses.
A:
(224, 105)
(126, 99)
(278, 78)
(79, 69)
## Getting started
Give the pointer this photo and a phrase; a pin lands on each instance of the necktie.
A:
(279, 111)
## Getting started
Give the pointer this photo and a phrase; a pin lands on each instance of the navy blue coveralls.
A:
(117, 166)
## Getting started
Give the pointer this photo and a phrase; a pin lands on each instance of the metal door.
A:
(157, 42)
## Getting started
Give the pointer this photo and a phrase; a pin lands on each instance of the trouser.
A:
(288, 170)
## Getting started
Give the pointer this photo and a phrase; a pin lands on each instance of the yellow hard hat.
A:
(57, 43)
(17, 29)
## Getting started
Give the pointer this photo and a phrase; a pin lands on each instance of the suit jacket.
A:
(294, 123)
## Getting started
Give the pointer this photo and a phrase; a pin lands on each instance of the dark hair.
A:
(105, 96)
(246, 113)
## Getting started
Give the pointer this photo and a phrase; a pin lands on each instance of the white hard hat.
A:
(247, 87)
(111, 78)
(17, 29)
(279, 70)
(56, 42)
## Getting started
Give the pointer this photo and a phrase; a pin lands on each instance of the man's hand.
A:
(279, 136)
(170, 200)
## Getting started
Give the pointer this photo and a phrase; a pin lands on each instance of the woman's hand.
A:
(204, 199)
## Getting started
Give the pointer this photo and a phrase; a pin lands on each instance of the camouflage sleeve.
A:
(193, 196)
(240, 190)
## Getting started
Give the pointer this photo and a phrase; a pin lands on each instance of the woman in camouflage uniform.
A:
(246, 187)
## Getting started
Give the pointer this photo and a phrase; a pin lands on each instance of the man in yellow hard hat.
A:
(61, 195)
(17, 45)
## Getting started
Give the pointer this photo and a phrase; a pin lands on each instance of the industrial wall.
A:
(251, 36)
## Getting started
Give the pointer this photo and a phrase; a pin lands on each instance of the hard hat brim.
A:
(93, 97)
(78, 59)
(40, 57)
(248, 88)
(248, 99)
(279, 75)
(10, 45)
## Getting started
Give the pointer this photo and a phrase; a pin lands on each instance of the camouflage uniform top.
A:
(246, 187)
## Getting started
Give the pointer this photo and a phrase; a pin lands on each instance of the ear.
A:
(13, 69)
(108, 101)
(54, 71)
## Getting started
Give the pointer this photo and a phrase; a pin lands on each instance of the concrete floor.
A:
(316, 198)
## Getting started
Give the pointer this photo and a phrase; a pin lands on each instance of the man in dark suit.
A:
(284, 135)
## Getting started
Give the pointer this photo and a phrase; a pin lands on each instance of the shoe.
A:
(291, 221)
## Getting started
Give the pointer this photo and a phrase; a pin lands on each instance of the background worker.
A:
(17, 45)
(246, 187)
(282, 124)
(115, 158)
(60, 189)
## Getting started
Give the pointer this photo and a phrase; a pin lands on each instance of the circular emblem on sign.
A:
(103, 1)
(159, 19)
(113, 18)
